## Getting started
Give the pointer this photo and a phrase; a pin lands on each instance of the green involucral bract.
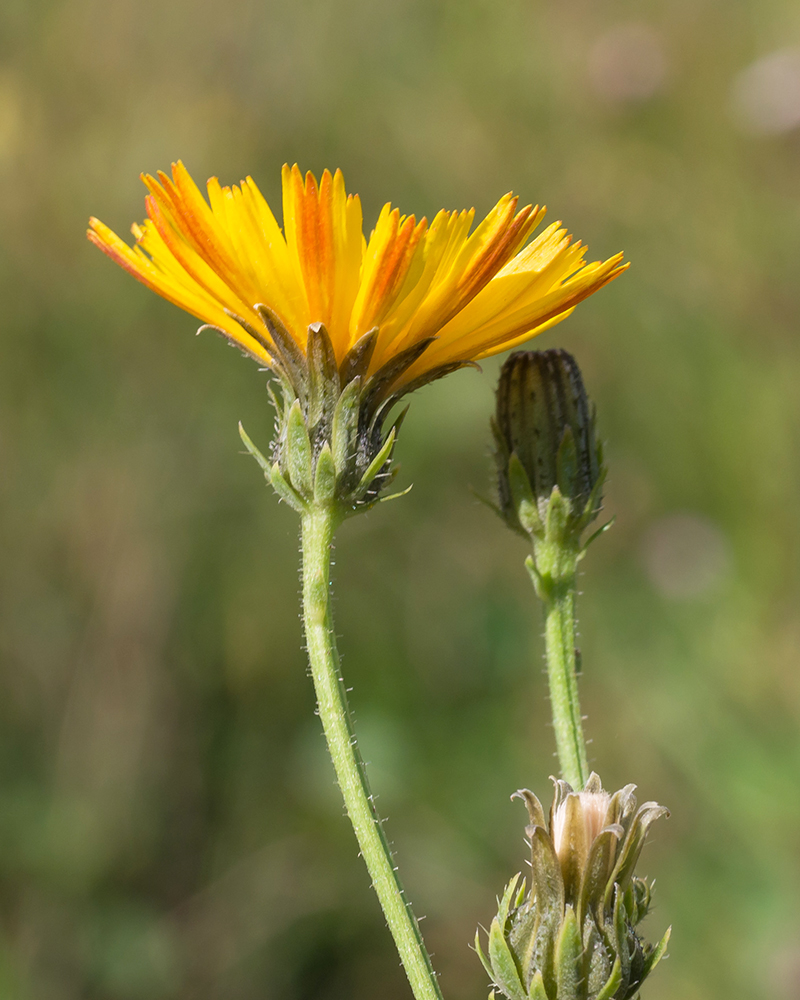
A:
(572, 935)
(331, 448)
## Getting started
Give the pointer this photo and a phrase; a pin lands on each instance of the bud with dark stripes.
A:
(550, 470)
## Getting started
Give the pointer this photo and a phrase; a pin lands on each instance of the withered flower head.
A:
(572, 935)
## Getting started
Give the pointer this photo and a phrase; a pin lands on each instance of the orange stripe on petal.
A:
(119, 251)
(315, 242)
(209, 240)
(496, 335)
(476, 293)
(163, 285)
(293, 191)
(500, 248)
(195, 266)
(393, 266)
(394, 254)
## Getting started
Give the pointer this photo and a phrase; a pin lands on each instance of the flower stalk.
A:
(332, 458)
(318, 525)
(554, 581)
(550, 480)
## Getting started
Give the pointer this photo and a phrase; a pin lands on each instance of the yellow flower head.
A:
(453, 295)
(349, 325)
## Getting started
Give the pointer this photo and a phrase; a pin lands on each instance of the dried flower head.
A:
(573, 935)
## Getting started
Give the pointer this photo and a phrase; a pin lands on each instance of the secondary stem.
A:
(557, 572)
(317, 537)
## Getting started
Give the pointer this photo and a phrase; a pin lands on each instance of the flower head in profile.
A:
(417, 300)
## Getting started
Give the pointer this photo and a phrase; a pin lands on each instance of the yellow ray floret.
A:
(476, 293)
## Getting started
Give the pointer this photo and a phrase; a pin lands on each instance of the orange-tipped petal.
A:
(475, 293)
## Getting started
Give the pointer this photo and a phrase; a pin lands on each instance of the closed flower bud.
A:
(549, 461)
(572, 935)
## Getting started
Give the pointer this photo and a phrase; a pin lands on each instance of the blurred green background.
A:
(169, 826)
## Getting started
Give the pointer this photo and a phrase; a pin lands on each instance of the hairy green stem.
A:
(555, 578)
(317, 538)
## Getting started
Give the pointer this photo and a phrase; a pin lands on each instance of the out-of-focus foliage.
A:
(169, 826)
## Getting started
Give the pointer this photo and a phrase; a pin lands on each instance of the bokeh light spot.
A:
(685, 555)
(628, 64)
(765, 97)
